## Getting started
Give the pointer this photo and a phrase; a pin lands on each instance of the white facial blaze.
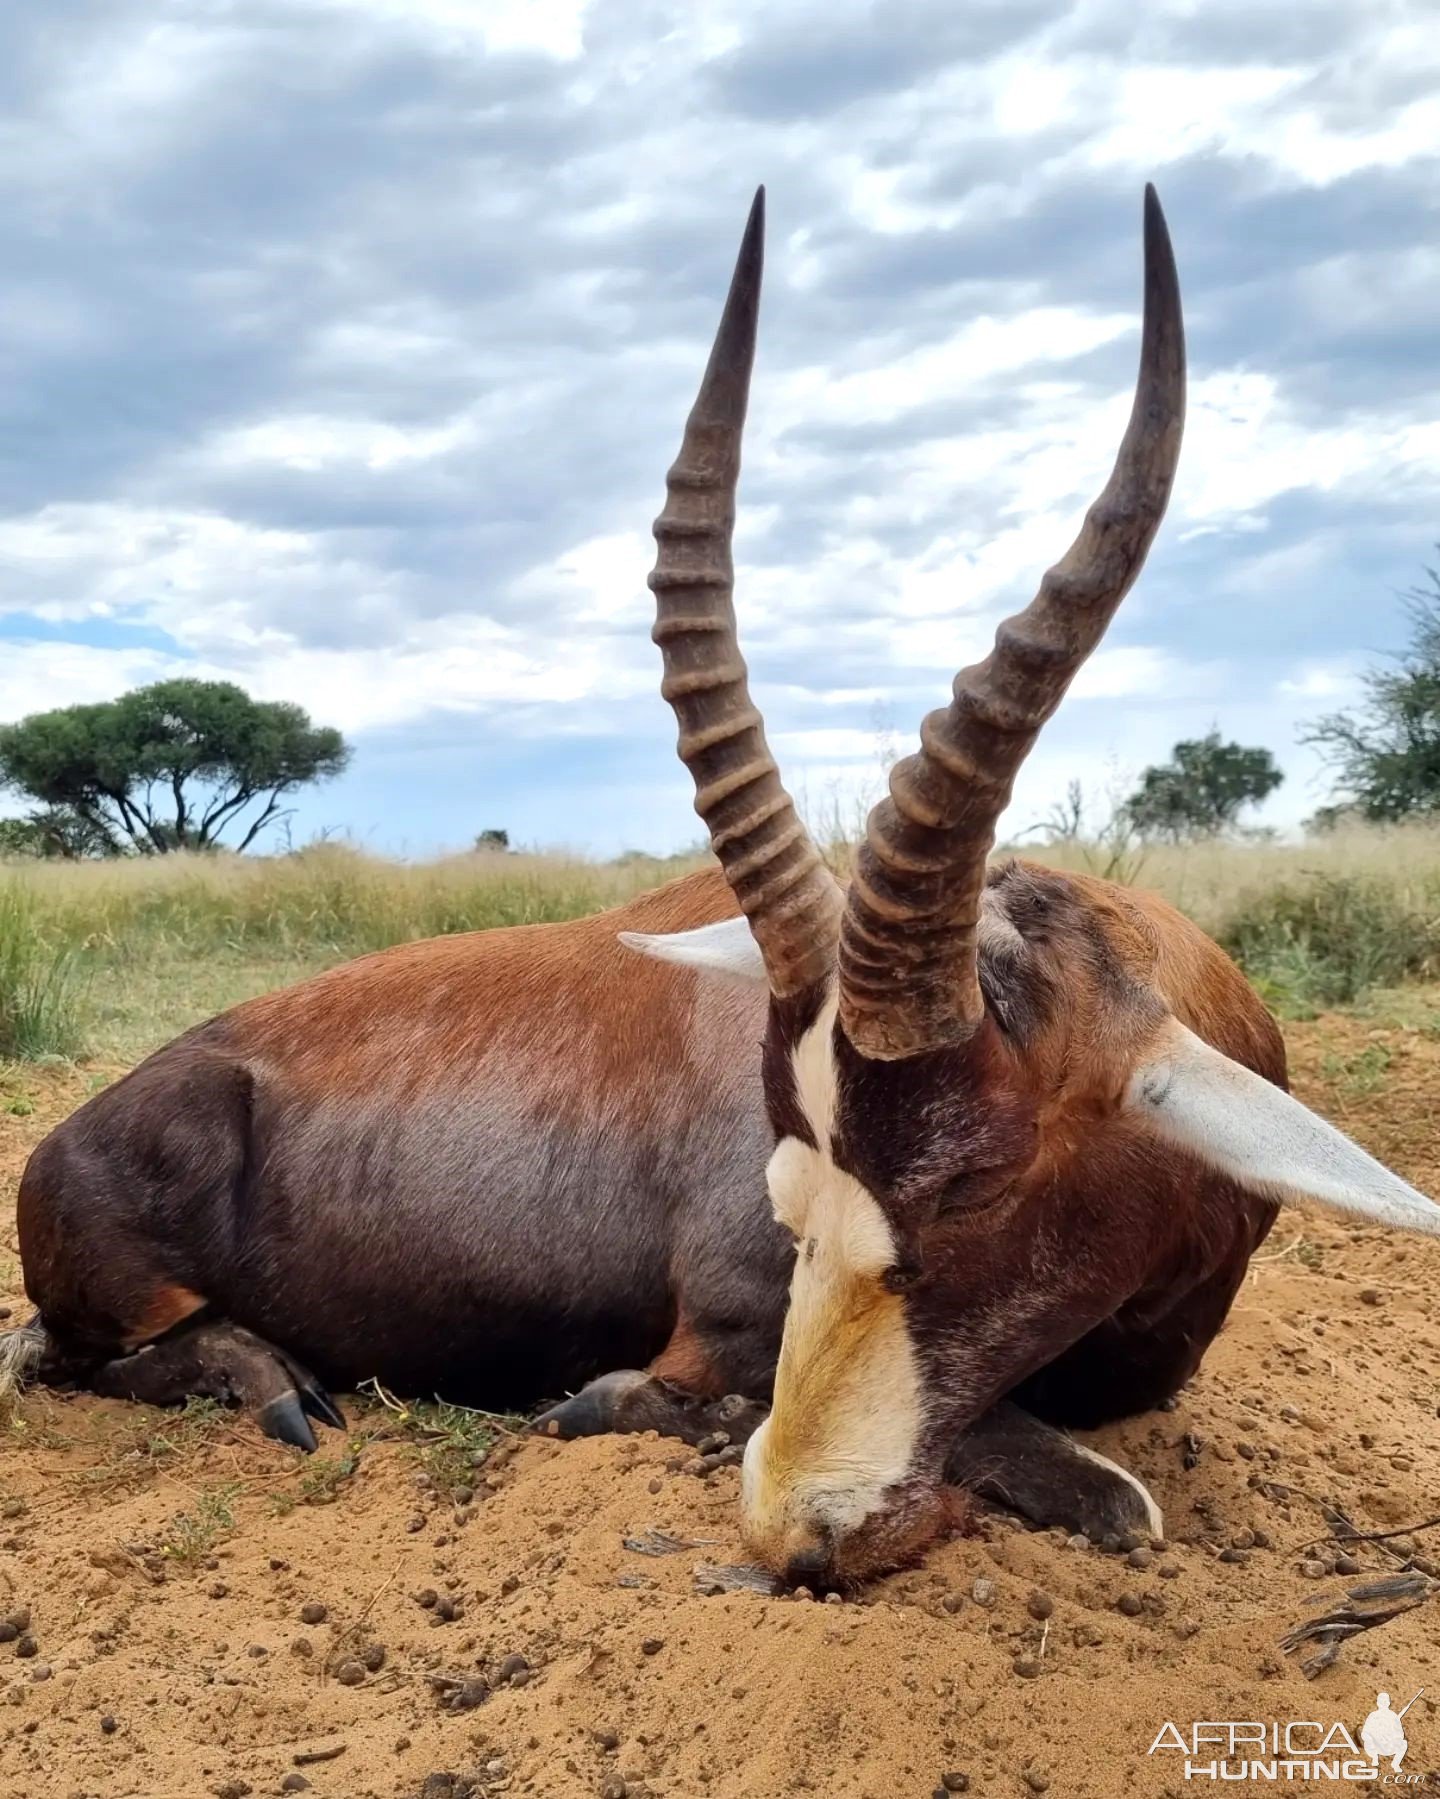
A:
(848, 1406)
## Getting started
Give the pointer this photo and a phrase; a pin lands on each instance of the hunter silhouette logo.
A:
(1302, 1749)
(1383, 1735)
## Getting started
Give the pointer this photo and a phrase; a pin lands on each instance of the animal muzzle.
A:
(831, 1535)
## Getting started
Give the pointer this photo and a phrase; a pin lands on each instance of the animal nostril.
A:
(807, 1565)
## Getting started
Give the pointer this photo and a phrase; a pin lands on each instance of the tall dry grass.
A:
(329, 900)
(137, 949)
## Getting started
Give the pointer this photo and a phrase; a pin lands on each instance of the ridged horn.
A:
(908, 975)
(774, 869)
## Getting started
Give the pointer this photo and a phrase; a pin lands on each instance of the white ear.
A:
(1229, 1117)
(726, 948)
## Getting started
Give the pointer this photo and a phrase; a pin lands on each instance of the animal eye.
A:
(900, 1276)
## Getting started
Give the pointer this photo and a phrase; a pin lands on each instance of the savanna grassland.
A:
(438, 1607)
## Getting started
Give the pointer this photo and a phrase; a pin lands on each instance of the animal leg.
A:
(1032, 1468)
(225, 1362)
(685, 1392)
(630, 1400)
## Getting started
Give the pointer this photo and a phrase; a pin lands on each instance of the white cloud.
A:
(321, 295)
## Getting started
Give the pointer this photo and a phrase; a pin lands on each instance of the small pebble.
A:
(1026, 1667)
(1313, 1570)
(1079, 1541)
(8, 1632)
(1041, 1605)
(1346, 1564)
(302, 1646)
(1036, 1781)
(955, 1783)
(312, 1612)
(218, 1589)
(1243, 1539)
(953, 1602)
(350, 1674)
(1140, 1558)
(426, 1597)
(656, 1485)
(20, 1617)
(1131, 1540)
(511, 1666)
(446, 1610)
(614, 1788)
(652, 1645)
(1169, 1570)
(1234, 1557)
(1130, 1604)
(1372, 1296)
(41, 1671)
(608, 1739)
(294, 1783)
(27, 1646)
(983, 1592)
(108, 1725)
(372, 1657)
(233, 1789)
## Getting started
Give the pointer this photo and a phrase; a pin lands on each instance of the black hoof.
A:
(318, 1403)
(594, 1409)
(284, 1418)
(580, 1416)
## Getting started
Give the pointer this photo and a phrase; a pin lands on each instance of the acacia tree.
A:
(1202, 789)
(1386, 753)
(170, 766)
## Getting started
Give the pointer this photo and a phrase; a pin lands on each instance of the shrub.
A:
(1328, 940)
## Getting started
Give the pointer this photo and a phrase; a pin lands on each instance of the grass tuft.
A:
(194, 1533)
(40, 981)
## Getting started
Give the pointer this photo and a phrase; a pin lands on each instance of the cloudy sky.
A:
(346, 343)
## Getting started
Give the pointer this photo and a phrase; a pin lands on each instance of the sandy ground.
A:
(171, 1570)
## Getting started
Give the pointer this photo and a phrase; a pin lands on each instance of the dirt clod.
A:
(313, 1612)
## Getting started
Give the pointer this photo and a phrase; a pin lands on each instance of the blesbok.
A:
(1023, 1130)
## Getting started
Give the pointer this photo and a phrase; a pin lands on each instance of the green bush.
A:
(39, 984)
(1330, 939)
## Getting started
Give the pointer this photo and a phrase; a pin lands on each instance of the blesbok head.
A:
(988, 1116)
